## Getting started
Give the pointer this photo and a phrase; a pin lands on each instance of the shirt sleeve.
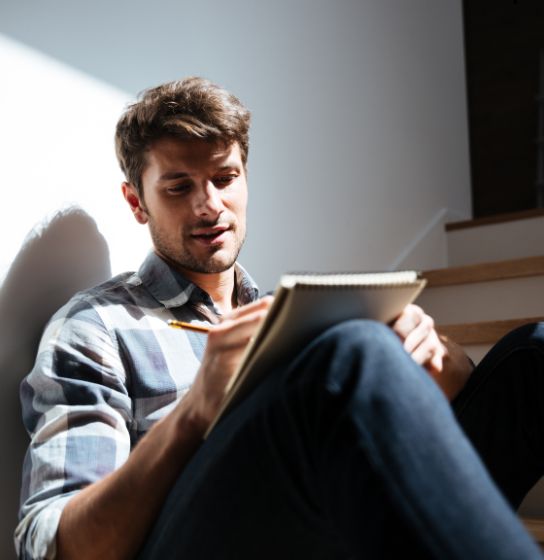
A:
(78, 413)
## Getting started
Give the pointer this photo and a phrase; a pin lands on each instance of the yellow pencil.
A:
(187, 326)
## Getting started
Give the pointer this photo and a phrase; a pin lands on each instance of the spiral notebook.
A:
(305, 305)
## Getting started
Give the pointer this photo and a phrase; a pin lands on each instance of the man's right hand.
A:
(225, 348)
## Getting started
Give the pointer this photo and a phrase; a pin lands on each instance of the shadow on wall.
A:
(64, 255)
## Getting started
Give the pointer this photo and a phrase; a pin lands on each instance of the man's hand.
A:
(445, 361)
(225, 348)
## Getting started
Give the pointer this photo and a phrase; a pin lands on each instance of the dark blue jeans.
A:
(352, 452)
(501, 409)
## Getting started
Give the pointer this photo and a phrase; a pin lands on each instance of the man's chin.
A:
(213, 265)
(215, 268)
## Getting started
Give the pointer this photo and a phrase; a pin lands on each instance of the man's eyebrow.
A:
(170, 175)
(228, 165)
(173, 175)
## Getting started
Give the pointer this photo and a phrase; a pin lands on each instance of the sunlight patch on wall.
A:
(56, 146)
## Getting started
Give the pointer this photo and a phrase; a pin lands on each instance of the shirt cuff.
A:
(35, 536)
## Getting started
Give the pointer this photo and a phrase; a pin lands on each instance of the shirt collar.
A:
(171, 289)
(246, 288)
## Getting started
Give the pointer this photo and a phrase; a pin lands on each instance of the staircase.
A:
(495, 283)
(477, 304)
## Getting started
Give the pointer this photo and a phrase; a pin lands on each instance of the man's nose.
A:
(207, 201)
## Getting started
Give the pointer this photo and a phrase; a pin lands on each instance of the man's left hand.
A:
(445, 361)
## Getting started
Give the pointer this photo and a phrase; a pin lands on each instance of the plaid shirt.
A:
(107, 368)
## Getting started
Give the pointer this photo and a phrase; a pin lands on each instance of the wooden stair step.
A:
(496, 219)
(485, 272)
(484, 332)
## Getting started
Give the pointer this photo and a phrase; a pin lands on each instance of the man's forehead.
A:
(192, 153)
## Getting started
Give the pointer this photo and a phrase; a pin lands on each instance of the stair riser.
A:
(508, 240)
(485, 301)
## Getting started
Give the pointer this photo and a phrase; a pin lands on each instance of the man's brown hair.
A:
(192, 108)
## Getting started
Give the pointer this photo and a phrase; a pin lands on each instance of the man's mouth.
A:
(211, 236)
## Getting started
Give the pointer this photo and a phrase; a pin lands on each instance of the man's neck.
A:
(219, 286)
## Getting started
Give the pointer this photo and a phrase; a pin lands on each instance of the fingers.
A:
(409, 320)
(416, 330)
(225, 348)
(419, 334)
(429, 352)
(436, 364)
(237, 328)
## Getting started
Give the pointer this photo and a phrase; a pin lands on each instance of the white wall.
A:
(56, 141)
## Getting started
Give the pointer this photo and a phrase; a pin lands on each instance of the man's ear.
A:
(130, 192)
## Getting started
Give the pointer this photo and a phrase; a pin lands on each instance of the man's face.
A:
(194, 201)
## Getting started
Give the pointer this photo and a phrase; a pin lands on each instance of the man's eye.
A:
(179, 189)
(224, 180)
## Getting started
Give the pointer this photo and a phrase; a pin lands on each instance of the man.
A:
(313, 464)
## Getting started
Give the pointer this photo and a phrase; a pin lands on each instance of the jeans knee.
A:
(521, 350)
(526, 336)
(535, 333)
(361, 366)
(362, 335)
(355, 349)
